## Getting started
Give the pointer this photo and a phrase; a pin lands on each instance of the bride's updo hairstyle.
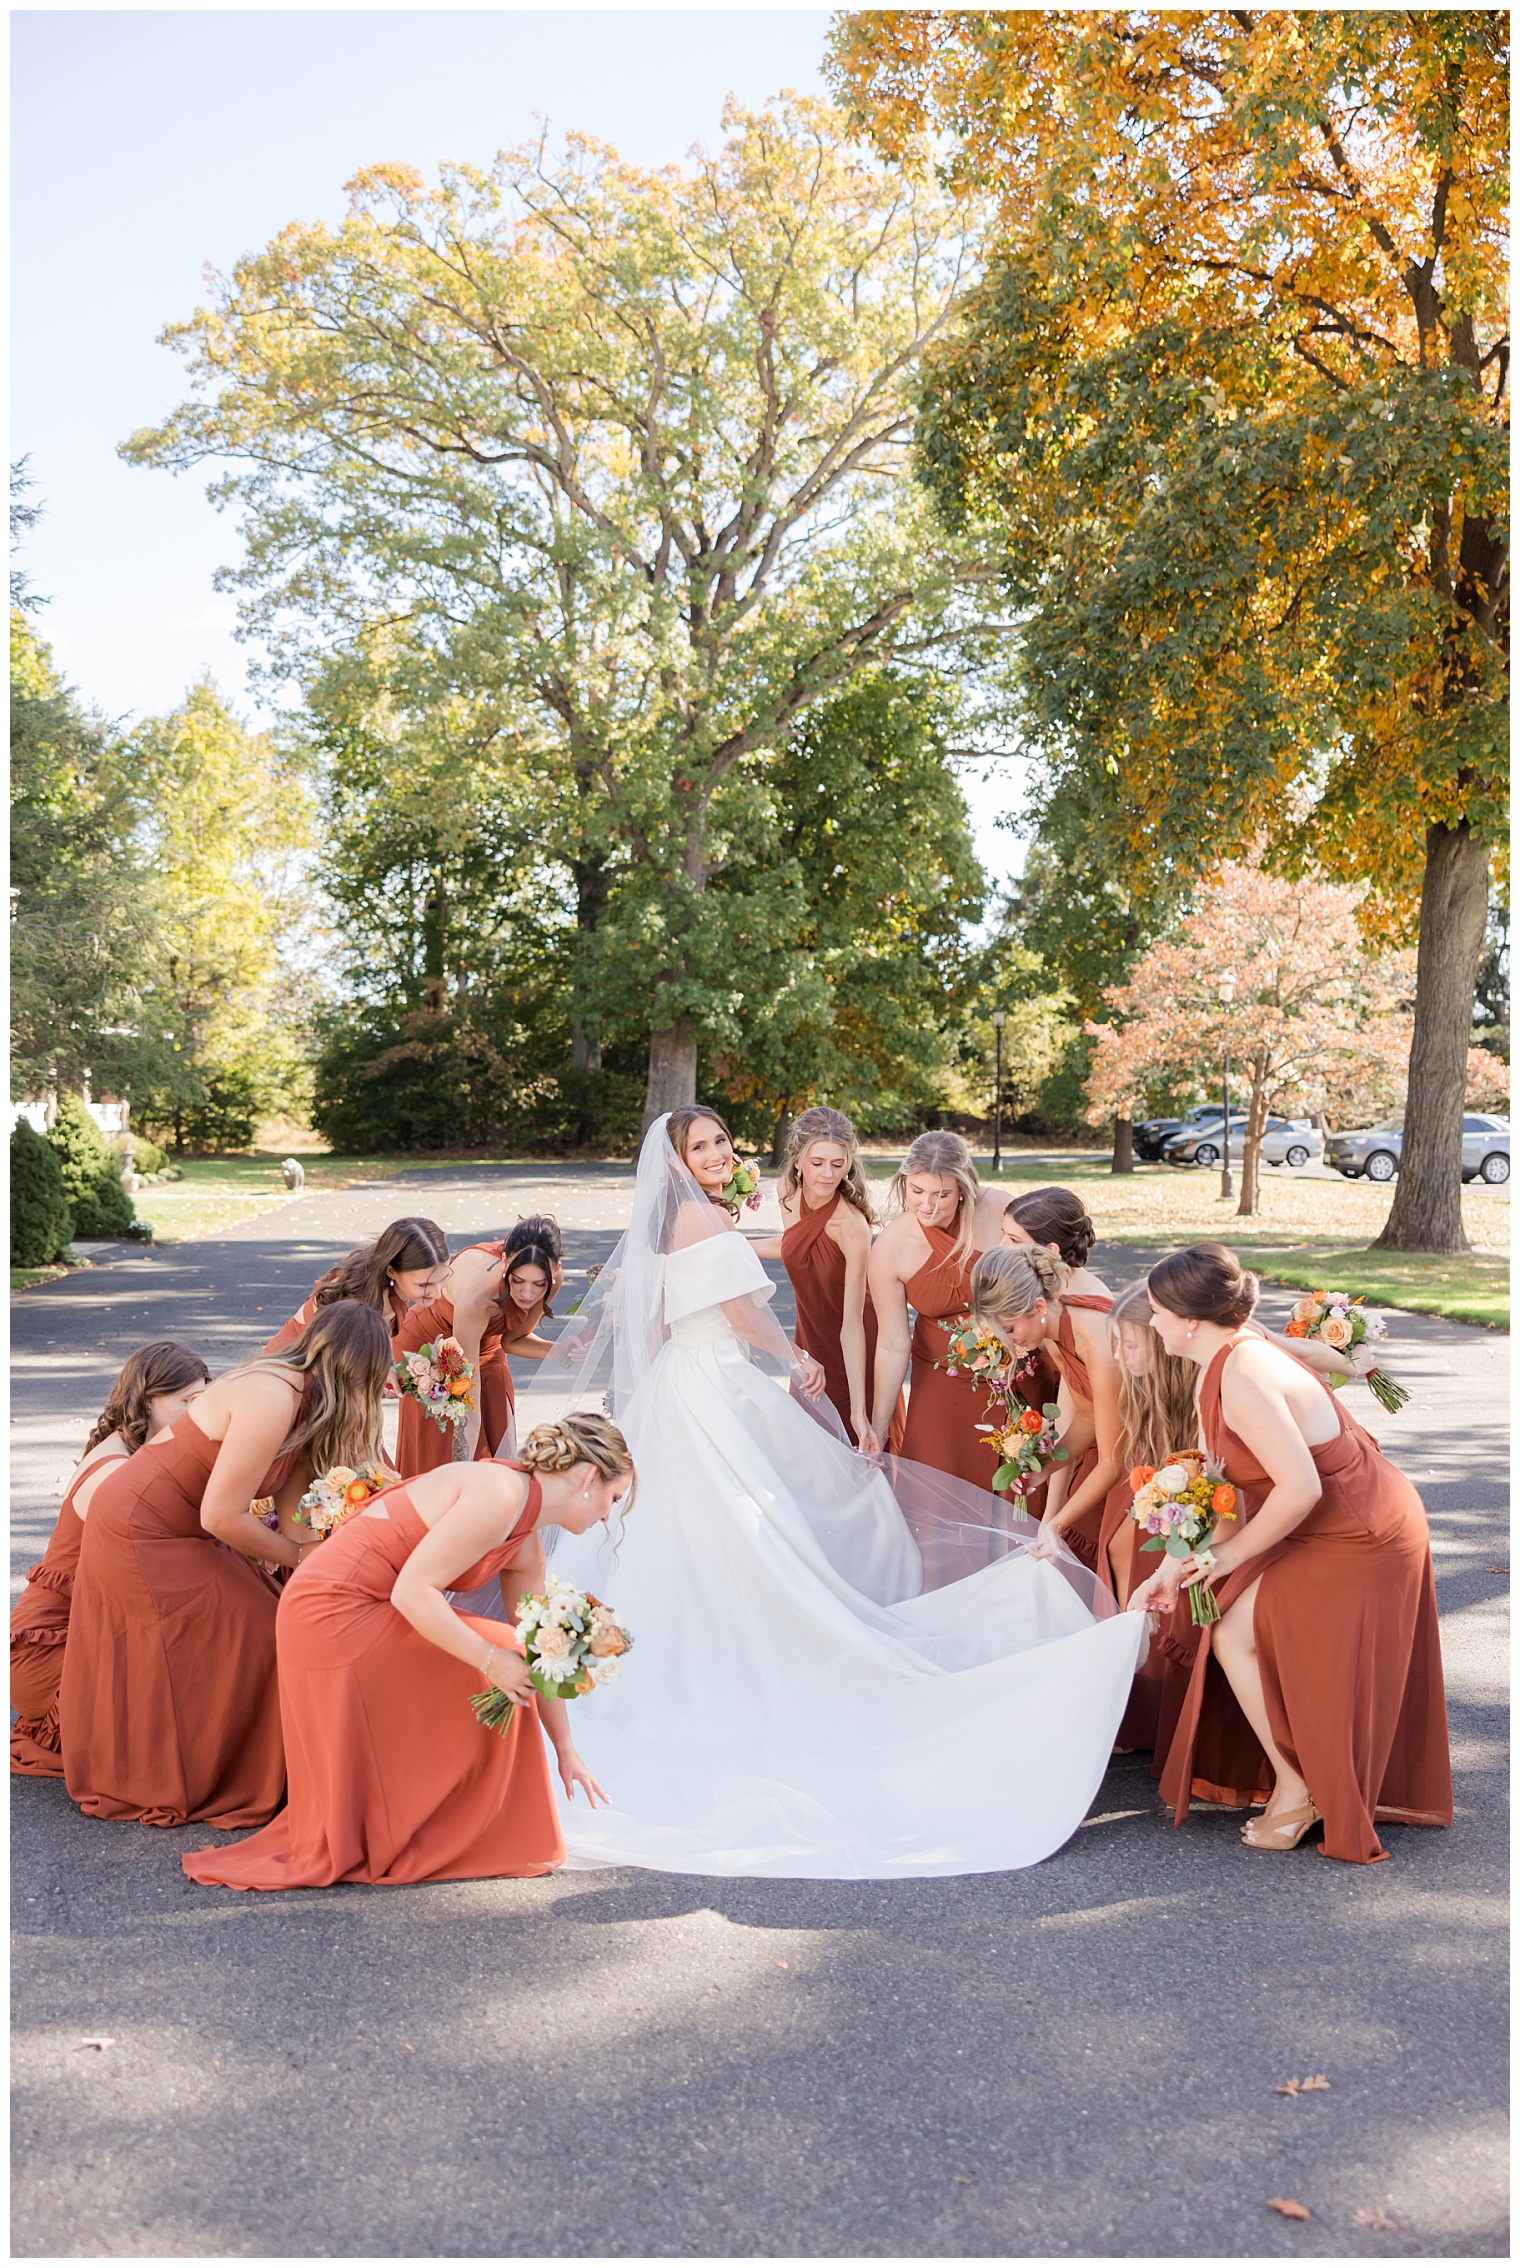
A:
(678, 1133)
(583, 1438)
(1058, 1217)
(1012, 1279)
(1205, 1283)
(948, 1156)
(821, 1124)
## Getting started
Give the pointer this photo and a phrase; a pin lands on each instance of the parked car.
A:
(1485, 1149)
(1150, 1133)
(1377, 1151)
(1201, 1144)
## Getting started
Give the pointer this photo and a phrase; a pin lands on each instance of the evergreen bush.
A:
(41, 1221)
(91, 1169)
(147, 1157)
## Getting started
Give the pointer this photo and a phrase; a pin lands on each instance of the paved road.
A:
(636, 2065)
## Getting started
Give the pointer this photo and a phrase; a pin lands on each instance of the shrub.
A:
(41, 1221)
(147, 1157)
(91, 1169)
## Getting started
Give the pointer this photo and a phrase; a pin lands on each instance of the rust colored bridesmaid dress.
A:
(39, 1631)
(1083, 1537)
(816, 1267)
(422, 1445)
(290, 1331)
(169, 1708)
(391, 1777)
(1348, 1643)
(944, 1412)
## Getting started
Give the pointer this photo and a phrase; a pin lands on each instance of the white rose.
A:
(1172, 1479)
(605, 1667)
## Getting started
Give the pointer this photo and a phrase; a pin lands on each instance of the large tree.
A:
(626, 446)
(1234, 399)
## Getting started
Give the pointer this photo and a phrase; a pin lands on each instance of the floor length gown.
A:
(1122, 1569)
(779, 1716)
(392, 1778)
(1347, 1638)
(816, 1266)
(422, 1445)
(395, 1313)
(944, 1412)
(169, 1707)
(1082, 1537)
(39, 1633)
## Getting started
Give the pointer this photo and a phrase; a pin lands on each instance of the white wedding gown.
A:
(775, 1718)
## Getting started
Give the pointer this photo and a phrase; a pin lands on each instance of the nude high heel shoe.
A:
(1285, 1833)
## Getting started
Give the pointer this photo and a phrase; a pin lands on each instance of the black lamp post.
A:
(1226, 990)
(998, 1021)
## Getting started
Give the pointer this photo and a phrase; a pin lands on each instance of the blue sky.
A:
(148, 144)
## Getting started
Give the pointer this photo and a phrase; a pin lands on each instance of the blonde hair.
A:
(1157, 1411)
(344, 1354)
(1012, 1279)
(583, 1438)
(821, 1124)
(949, 1156)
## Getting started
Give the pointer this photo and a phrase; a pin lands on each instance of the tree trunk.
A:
(1426, 1215)
(592, 892)
(1256, 1123)
(1123, 1160)
(778, 1139)
(672, 1072)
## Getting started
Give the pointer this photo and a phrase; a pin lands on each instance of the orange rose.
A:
(1298, 1330)
(460, 1386)
(1031, 1421)
(357, 1491)
(1223, 1501)
(1139, 1477)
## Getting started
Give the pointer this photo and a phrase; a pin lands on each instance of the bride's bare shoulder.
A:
(694, 1223)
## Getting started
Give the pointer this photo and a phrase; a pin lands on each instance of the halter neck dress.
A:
(395, 1313)
(168, 1708)
(1347, 1640)
(39, 1633)
(422, 1445)
(1082, 1538)
(816, 1266)
(944, 1412)
(392, 1777)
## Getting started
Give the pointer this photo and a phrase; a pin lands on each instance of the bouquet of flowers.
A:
(743, 1185)
(1177, 1505)
(980, 1353)
(1343, 1323)
(572, 1642)
(333, 1495)
(1025, 1446)
(441, 1378)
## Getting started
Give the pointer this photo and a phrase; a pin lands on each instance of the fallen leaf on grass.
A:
(1290, 2208)
(97, 2043)
(1318, 2085)
(1373, 2217)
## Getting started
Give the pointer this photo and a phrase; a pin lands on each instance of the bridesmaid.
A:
(1024, 1295)
(169, 1707)
(392, 1779)
(472, 1309)
(404, 1267)
(1328, 1635)
(156, 1385)
(922, 1260)
(824, 1248)
(1058, 1220)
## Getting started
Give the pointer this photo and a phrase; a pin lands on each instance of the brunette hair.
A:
(345, 1352)
(583, 1438)
(949, 1156)
(1207, 1284)
(528, 1256)
(1158, 1413)
(1058, 1217)
(364, 1274)
(678, 1134)
(820, 1124)
(1012, 1279)
(161, 1367)
(541, 1229)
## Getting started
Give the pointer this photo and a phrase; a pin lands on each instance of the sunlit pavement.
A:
(1075, 2060)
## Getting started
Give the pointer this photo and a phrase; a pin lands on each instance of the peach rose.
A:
(1336, 1331)
(552, 1644)
(606, 1638)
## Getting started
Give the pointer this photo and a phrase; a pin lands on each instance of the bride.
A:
(809, 1693)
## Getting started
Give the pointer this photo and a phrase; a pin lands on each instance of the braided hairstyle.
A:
(585, 1437)
(1012, 1279)
(161, 1367)
(820, 1124)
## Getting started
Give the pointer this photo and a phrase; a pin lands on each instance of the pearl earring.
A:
(1192, 1327)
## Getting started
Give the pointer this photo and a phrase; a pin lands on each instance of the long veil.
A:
(894, 1530)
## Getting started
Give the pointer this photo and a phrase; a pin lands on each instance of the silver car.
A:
(1485, 1149)
(1374, 1151)
(1284, 1141)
